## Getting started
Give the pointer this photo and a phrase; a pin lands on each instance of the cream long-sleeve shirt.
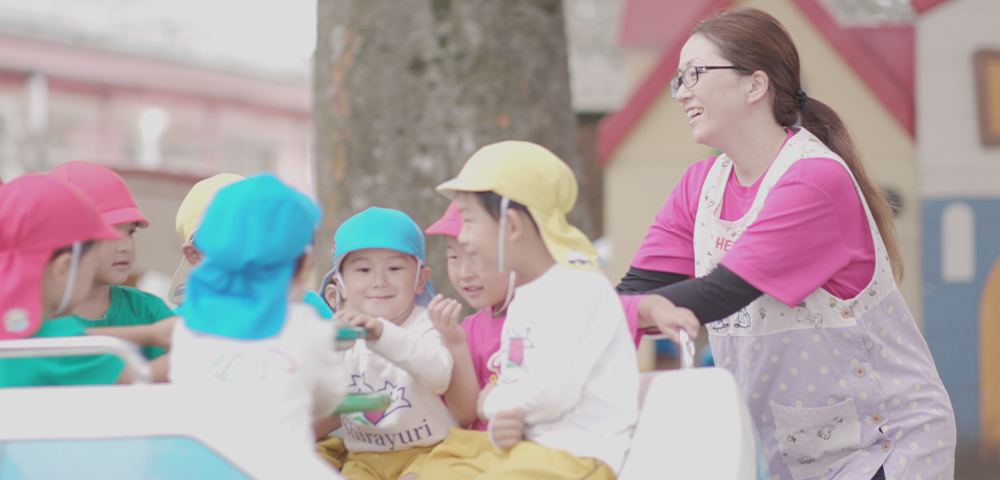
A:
(569, 365)
(412, 365)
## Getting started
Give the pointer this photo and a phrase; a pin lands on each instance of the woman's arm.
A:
(638, 281)
(717, 295)
(649, 314)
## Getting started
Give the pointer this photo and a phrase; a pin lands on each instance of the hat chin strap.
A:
(340, 284)
(502, 236)
(510, 295)
(74, 265)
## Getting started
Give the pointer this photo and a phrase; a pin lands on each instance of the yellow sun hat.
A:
(531, 175)
(189, 217)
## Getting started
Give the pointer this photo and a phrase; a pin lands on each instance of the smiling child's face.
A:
(381, 282)
(478, 289)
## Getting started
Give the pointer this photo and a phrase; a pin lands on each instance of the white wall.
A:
(954, 163)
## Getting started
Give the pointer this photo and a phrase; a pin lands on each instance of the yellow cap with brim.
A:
(531, 175)
(189, 216)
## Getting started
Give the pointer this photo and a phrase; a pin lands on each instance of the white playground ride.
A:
(693, 424)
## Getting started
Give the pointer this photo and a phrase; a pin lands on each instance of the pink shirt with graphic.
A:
(811, 232)
(483, 332)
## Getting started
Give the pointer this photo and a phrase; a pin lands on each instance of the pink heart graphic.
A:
(516, 352)
(375, 416)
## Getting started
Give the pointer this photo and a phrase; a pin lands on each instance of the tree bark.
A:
(407, 90)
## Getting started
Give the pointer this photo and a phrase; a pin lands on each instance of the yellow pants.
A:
(458, 447)
(332, 450)
(468, 454)
(372, 465)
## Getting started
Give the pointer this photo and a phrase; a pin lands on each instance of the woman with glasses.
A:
(785, 249)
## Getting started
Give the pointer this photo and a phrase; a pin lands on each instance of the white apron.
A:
(837, 388)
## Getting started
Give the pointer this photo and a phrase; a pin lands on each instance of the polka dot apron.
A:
(837, 388)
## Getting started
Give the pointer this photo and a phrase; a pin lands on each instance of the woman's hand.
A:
(444, 313)
(371, 324)
(659, 315)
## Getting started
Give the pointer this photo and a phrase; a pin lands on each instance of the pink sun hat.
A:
(39, 215)
(113, 198)
(449, 224)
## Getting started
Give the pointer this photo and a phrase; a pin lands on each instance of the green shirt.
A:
(42, 371)
(131, 307)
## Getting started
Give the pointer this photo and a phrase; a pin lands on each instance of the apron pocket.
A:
(813, 441)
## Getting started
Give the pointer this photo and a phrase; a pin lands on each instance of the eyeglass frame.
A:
(676, 82)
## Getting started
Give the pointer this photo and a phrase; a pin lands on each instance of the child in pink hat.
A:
(475, 341)
(110, 303)
(49, 254)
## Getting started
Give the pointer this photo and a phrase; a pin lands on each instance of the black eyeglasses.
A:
(689, 77)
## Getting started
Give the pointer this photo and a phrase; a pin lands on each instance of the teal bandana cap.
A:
(251, 235)
(382, 228)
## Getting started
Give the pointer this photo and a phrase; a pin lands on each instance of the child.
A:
(49, 255)
(110, 303)
(239, 327)
(188, 220)
(569, 382)
(379, 266)
(328, 288)
(189, 217)
(475, 343)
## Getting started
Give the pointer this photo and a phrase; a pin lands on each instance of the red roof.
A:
(657, 23)
(882, 57)
(922, 6)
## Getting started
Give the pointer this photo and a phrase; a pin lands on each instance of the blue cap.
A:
(251, 235)
(381, 228)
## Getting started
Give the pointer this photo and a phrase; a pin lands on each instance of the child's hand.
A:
(444, 314)
(157, 334)
(507, 428)
(161, 332)
(659, 315)
(371, 324)
(485, 392)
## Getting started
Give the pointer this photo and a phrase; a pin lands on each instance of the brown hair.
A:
(491, 202)
(756, 41)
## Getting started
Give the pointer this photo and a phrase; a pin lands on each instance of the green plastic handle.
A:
(363, 402)
(351, 333)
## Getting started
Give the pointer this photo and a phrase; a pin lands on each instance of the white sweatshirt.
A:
(284, 380)
(411, 363)
(569, 364)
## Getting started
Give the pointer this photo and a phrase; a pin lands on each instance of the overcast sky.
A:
(268, 33)
(276, 38)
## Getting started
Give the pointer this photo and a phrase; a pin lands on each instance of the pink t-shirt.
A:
(811, 232)
(483, 332)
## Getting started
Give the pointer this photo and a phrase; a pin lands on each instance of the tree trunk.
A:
(407, 90)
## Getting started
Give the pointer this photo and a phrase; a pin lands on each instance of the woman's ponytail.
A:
(823, 122)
